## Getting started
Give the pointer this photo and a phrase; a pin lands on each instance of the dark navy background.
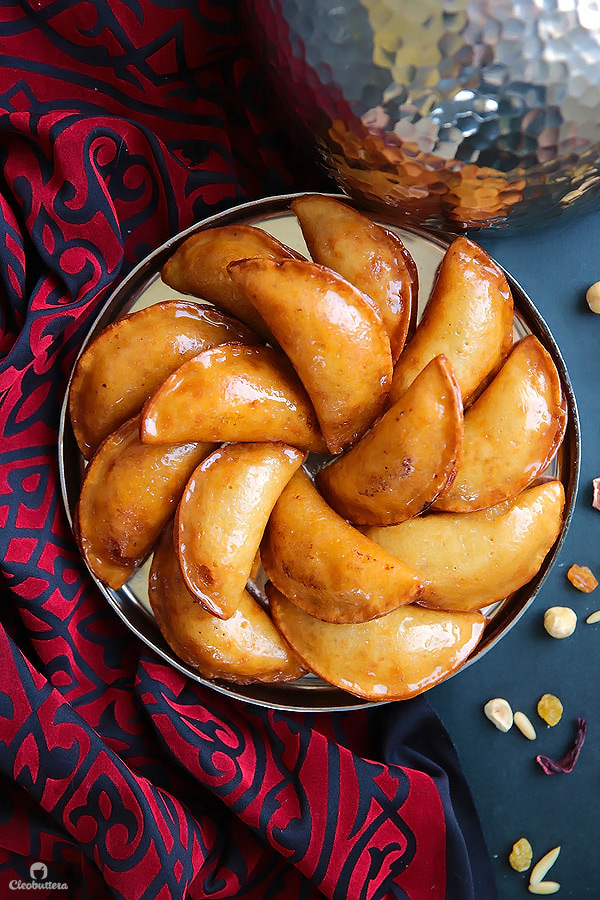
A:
(554, 266)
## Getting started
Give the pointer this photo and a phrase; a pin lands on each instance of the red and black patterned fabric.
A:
(121, 123)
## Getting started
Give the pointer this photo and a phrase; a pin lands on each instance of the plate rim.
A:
(273, 696)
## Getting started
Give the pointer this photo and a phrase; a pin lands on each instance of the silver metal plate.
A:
(143, 287)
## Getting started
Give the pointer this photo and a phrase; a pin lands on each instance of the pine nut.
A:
(544, 887)
(524, 725)
(543, 866)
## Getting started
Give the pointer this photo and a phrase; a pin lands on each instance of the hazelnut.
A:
(499, 712)
(592, 297)
(560, 621)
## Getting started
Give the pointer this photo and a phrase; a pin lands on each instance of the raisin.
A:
(582, 578)
(521, 855)
(550, 709)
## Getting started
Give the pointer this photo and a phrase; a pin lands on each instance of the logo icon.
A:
(38, 871)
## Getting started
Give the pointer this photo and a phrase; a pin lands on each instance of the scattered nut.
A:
(550, 709)
(499, 712)
(521, 855)
(524, 725)
(593, 617)
(560, 621)
(544, 887)
(543, 866)
(582, 578)
(592, 296)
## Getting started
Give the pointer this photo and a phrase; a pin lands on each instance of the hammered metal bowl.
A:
(456, 114)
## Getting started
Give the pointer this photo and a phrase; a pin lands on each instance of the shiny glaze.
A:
(222, 516)
(410, 455)
(393, 657)
(333, 337)
(472, 560)
(128, 493)
(244, 648)
(199, 267)
(325, 565)
(369, 256)
(233, 393)
(129, 359)
(512, 431)
(468, 318)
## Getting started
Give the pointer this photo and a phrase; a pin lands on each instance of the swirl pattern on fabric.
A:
(122, 123)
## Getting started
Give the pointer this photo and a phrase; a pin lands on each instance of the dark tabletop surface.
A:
(554, 266)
